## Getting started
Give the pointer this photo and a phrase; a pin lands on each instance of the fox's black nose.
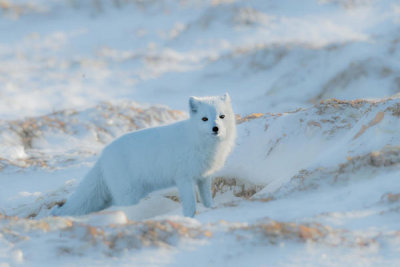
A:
(215, 129)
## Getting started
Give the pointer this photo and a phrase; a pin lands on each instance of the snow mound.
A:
(335, 139)
(69, 237)
(41, 141)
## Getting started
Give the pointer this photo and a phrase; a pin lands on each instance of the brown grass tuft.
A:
(240, 119)
(391, 197)
(239, 188)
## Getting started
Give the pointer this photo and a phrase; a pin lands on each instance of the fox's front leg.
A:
(188, 196)
(204, 186)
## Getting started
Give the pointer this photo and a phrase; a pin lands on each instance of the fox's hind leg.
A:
(124, 192)
(126, 198)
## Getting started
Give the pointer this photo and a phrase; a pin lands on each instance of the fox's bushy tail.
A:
(91, 195)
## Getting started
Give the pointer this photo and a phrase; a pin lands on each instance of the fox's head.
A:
(213, 116)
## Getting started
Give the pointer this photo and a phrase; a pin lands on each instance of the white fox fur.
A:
(183, 154)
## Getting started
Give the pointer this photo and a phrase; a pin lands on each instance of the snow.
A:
(312, 180)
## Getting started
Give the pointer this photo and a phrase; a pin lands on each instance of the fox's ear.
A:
(226, 97)
(193, 104)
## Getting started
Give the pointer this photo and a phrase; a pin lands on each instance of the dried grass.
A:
(240, 188)
(274, 232)
(378, 118)
(391, 197)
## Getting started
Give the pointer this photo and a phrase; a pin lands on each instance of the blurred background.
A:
(271, 56)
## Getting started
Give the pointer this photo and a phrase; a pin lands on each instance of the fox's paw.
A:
(209, 203)
(55, 211)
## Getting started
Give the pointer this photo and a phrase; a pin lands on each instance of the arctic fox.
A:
(184, 154)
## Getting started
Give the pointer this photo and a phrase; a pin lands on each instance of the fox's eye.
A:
(204, 119)
(222, 116)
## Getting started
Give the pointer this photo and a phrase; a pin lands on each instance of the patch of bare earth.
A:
(391, 197)
(134, 235)
(239, 188)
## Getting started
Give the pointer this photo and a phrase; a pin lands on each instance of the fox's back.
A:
(157, 151)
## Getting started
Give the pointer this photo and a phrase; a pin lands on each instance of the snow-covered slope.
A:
(313, 181)
(300, 187)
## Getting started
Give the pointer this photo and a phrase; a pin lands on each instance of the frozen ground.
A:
(313, 181)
